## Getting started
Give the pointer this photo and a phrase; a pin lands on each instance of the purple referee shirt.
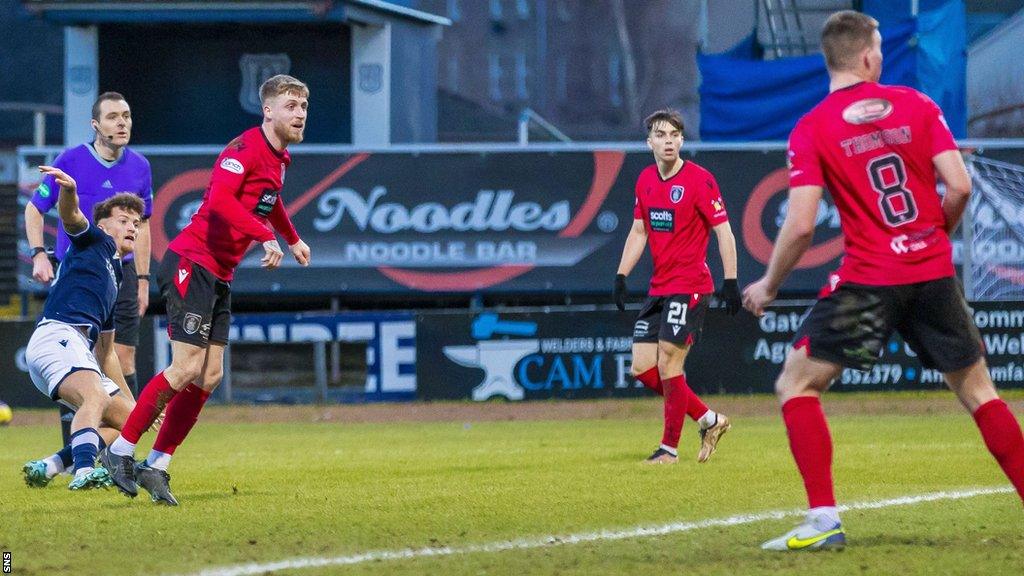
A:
(97, 180)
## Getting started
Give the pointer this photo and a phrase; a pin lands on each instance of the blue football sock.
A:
(67, 459)
(84, 447)
(65, 456)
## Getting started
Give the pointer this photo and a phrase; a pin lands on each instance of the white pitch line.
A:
(525, 544)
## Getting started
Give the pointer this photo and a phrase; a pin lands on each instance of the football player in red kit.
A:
(195, 275)
(677, 205)
(877, 149)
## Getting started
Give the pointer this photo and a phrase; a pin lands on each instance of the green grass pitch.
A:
(266, 492)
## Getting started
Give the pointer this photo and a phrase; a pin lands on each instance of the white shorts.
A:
(54, 351)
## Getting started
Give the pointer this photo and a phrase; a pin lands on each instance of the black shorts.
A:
(851, 325)
(198, 303)
(126, 308)
(678, 319)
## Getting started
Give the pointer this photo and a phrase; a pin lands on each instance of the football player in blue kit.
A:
(71, 355)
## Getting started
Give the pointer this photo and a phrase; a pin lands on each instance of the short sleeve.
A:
(88, 237)
(802, 157)
(45, 196)
(146, 193)
(709, 201)
(940, 138)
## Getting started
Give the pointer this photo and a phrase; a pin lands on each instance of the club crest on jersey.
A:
(191, 323)
(661, 219)
(676, 193)
(232, 165)
(867, 111)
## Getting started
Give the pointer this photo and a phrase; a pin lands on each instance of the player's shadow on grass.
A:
(905, 540)
(186, 498)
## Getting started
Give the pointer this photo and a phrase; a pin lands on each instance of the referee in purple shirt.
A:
(102, 168)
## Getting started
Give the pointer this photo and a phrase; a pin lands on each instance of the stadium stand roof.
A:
(111, 11)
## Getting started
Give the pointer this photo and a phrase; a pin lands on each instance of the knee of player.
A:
(637, 369)
(211, 378)
(670, 362)
(96, 398)
(183, 371)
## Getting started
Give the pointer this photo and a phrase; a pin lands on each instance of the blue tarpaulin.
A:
(745, 98)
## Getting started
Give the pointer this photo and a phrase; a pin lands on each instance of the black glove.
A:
(619, 292)
(729, 294)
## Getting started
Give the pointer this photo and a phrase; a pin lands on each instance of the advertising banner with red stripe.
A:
(484, 222)
(493, 222)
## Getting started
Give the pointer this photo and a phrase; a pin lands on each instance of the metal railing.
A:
(39, 112)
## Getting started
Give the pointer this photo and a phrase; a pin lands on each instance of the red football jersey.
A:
(244, 193)
(679, 213)
(872, 147)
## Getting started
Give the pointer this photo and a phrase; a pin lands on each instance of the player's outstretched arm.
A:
(67, 205)
(223, 202)
(793, 240)
(283, 224)
(953, 173)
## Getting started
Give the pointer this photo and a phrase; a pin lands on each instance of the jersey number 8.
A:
(889, 180)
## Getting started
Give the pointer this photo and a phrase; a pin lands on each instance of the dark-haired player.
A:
(677, 206)
(70, 354)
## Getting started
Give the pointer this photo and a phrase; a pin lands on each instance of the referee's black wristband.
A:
(38, 250)
(143, 277)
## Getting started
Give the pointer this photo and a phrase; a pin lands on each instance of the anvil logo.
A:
(497, 358)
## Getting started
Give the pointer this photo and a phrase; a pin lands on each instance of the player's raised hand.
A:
(729, 294)
(301, 252)
(758, 295)
(272, 258)
(619, 292)
(63, 180)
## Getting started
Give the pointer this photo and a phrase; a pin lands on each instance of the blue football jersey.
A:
(85, 287)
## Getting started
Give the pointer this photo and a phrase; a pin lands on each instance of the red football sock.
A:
(182, 414)
(1004, 440)
(695, 408)
(151, 402)
(652, 380)
(811, 444)
(676, 393)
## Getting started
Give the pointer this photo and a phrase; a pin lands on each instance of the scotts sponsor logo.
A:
(662, 219)
(867, 111)
(232, 165)
(43, 190)
(489, 211)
